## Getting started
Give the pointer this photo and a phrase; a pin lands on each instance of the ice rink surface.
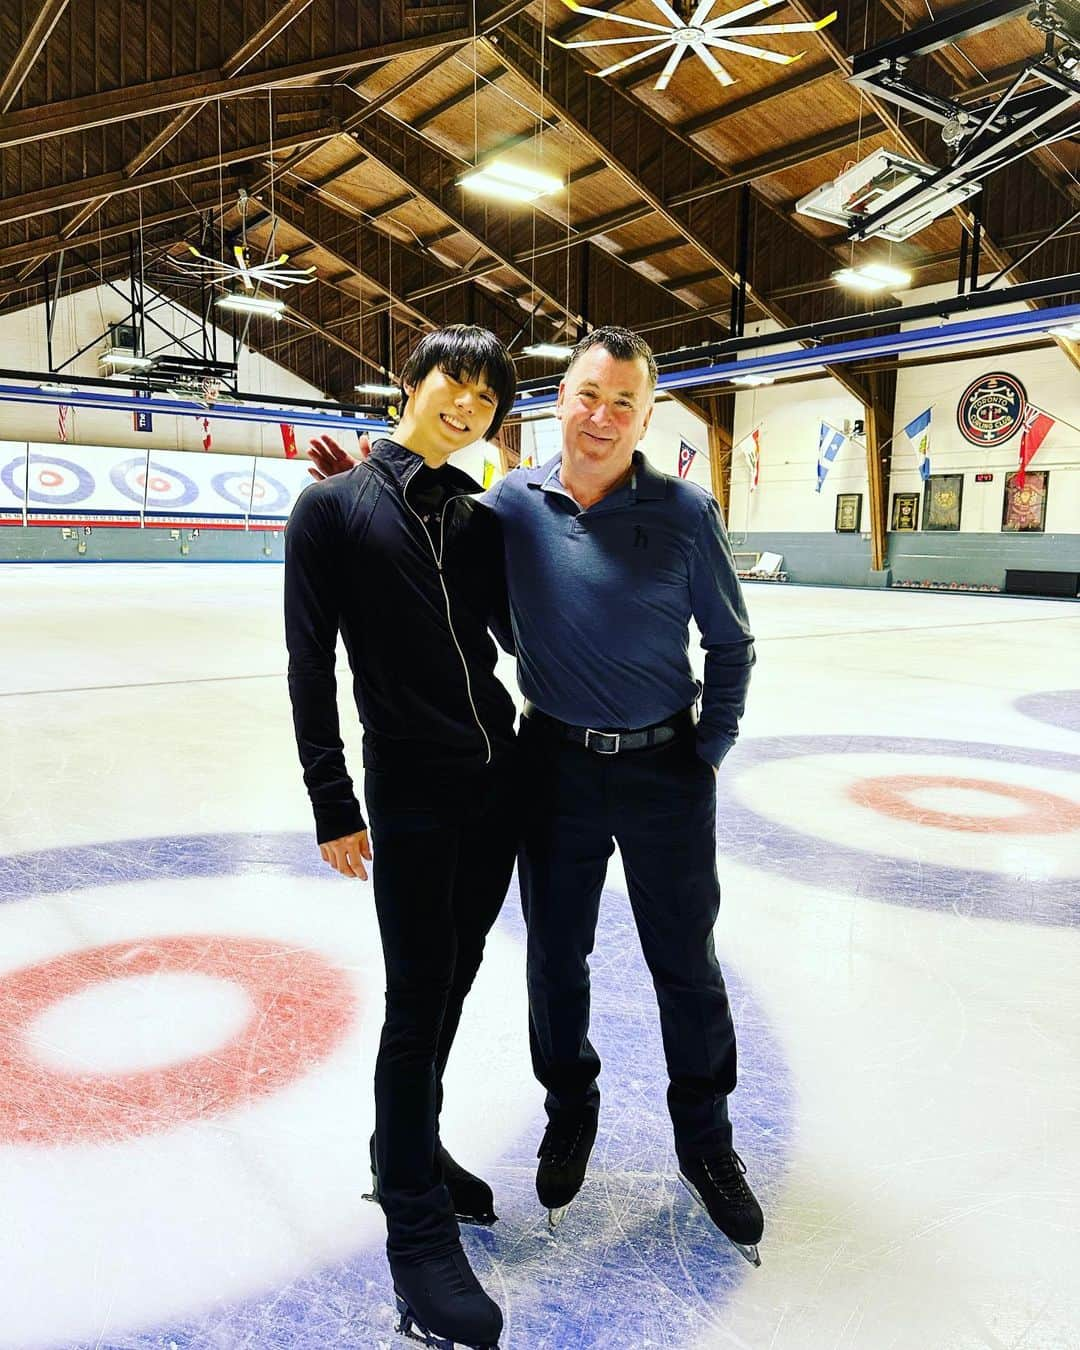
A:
(190, 999)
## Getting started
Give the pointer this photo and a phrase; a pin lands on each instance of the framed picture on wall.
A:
(905, 511)
(1025, 507)
(941, 501)
(848, 512)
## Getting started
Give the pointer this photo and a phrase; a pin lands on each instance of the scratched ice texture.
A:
(189, 1000)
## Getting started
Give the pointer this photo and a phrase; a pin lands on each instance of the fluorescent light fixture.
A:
(553, 349)
(873, 277)
(382, 390)
(122, 359)
(1071, 330)
(753, 380)
(512, 182)
(265, 305)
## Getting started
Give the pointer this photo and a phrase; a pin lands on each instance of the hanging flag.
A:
(751, 449)
(489, 474)
(1037, 425)
(288, 439)
(62, 411)
(142, 421)
(830, 443)
(918, 433)
(686, 457)
(207, 436)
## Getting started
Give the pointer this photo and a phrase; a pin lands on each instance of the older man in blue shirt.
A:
(608, 561)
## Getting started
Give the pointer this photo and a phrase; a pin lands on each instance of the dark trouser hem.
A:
(659, 805)
(442, 861)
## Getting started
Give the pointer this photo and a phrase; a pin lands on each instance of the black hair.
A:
(622, 344)
(466, 352)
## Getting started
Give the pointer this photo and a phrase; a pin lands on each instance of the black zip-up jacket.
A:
(413, 602)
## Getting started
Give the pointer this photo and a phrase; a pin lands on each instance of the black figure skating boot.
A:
(718, 1183)
(564, 1155)
(470, 1196)
(441, 1304)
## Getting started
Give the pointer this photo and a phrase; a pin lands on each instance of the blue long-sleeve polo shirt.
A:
(601, 602)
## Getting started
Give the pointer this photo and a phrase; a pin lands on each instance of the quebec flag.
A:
(830, 443)
(918, 433)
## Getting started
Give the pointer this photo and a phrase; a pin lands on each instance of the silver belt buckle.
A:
(608, 736)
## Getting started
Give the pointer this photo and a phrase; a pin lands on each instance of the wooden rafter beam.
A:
(48, 16)
(162, 96)
(113, 184)
(803, 79)
(518, 61)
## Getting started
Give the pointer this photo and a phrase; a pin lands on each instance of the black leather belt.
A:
(611, 742)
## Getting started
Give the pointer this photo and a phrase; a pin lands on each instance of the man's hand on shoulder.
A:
(347, 854)
(330, 458)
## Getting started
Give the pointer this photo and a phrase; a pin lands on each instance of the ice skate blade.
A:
(747, 1250)
(412, 1330)
(556, 1216)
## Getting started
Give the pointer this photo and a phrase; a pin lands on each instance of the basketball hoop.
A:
(209, 391)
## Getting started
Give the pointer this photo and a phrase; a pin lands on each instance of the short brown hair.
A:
(623, 344)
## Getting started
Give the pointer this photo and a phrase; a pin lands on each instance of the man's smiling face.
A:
(604, 405)
(447, 414)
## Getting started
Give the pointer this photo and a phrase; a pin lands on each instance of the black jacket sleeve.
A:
(313, 539)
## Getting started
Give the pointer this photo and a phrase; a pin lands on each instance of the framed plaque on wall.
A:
(941, 501)
(1025, 507)
(848, 512)
(905, 511)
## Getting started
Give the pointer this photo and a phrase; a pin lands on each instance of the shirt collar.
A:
(646, 483)
(401, 463)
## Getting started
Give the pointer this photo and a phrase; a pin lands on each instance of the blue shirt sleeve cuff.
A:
(713, 749)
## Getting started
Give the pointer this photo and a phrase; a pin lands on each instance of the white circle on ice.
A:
(812, 793)
(140, 1022)
(151, 1229)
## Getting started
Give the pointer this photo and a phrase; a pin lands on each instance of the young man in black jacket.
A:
(398, 557)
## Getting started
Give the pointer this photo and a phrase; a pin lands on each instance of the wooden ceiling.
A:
(348, 123)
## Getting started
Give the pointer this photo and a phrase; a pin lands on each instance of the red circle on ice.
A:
(1046, 813)
(302, 1007)
(50, 478)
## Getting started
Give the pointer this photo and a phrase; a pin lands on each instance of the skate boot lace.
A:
(559, 1143)
(726, 1172)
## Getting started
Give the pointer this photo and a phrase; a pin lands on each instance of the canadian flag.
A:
(288, 439)
(1037, 425)
(751, 448)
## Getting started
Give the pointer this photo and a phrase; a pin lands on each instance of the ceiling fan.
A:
(694, 31)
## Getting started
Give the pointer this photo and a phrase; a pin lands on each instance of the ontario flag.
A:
(751, 449)
(1037, 425)
(288, 439)
(686, 457)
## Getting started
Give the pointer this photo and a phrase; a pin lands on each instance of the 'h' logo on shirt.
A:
(641, 539)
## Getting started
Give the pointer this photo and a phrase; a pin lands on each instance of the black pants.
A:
(443, 849)
(659, 804)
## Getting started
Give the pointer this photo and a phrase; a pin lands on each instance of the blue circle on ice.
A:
(764, 841)
(634, 1262)
(76, 491)
(1058, 707)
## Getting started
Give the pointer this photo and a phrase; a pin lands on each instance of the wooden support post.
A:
(879, 420)
(721, 419)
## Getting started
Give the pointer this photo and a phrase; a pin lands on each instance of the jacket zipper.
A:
(437, 554)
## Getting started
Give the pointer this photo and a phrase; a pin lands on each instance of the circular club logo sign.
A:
(991, 409)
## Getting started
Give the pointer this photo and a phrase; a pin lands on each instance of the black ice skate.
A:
(470, 1196)
(441, 1304)
(718, 1184)
(564, 1156)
